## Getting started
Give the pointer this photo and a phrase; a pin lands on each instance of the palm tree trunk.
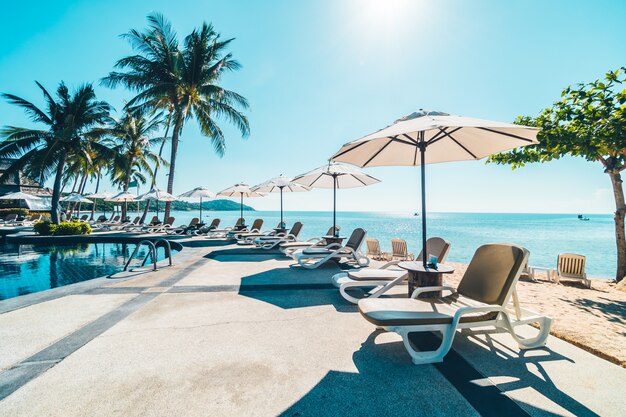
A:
(170, 180)
(620, 213)
(125, 205)
(56, 191)
(93, 206)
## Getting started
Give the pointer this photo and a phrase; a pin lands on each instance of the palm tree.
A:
(132, 145)
(184, 82)
(67, 123)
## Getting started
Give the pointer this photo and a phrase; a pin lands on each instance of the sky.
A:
(320, 73)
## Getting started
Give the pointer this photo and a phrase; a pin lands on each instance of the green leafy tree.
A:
(67, 122)
(132, 149)
(589, 121)
(183, 81)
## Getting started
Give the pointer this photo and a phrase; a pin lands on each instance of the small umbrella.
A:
(19, 196)
(335, 175)
(157, 195)
(76, 198)
(280, 184)
(198, 192)
(123, 197)
(427, 137)
(240, 190)
(101, 194)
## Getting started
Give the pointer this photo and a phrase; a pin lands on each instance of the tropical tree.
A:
(67, 122)
(132, 149)
(183, 81)
(589, 121)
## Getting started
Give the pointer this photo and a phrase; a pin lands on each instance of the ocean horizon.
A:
(545, 235)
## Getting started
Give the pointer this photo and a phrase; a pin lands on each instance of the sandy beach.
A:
(594, 320)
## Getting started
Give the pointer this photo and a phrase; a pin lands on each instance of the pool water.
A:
(26, 269)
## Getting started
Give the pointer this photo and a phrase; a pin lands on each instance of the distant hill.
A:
(213, 205)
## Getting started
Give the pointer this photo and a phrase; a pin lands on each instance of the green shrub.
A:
(19, 211)
(62, 229)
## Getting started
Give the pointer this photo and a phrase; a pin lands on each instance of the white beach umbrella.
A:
(280, 184)
(198, 192)
(100, 194)
(75, 198)
(157, 195)
(335, 175)
(19, 196)
(240, 190)
(123, 197)
(428, 137)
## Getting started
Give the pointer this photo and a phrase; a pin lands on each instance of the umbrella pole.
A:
(335, 205)
(200, 209)
(241, 208)
(422, 146)
(281, 208)
(157, 209)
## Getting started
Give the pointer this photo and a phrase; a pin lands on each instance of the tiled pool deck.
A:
(229, 331)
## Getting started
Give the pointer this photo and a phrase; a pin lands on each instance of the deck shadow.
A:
(295, 288)
(387, 384)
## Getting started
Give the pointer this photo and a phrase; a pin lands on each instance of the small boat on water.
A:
(416, 214)
(584, 218)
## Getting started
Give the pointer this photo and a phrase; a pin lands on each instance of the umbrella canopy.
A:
(101, 194)
(335, 175)
(198, 192)
(427, 137)
(19, 196)
(123, 197)
(240, 190)
(158, 195)
(280, 184)
(75, 198)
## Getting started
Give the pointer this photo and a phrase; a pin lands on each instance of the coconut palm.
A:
(67, 122)
(132, 144)
(182, 81)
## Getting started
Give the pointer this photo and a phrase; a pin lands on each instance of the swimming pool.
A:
(26, 269)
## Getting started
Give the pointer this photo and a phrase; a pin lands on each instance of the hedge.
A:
(62, 229)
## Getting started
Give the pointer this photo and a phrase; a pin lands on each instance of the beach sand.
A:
(594, 320)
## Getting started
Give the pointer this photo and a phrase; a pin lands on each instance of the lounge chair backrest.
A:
(373, 247)
(437, 246)
(356, 239)
(399, 249)
(169, 221)
(240, 221)
(492, 273)
(571, 264)
(136, 220)
(116, 219)
(257, 224)
(101, 219)
(84, 217)
(332, 230)
(10, 217)
(194, 222)
(214, 224)
(154, 220)
(295, 229)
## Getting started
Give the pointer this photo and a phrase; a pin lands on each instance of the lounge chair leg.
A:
(435, 356)
(531, 343)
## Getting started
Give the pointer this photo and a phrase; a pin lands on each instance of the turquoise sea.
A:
(545, 235)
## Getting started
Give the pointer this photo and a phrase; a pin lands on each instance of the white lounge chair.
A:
(481, 299)
(160, 228)
(288, 248)
(400, 251)
(270, 242)
(222, 232)
(572, 267)
(257, 224)
(314, 257)
(184, 229)
(383, 279)
(248, 238)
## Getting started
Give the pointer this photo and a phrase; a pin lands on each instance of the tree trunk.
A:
(125, 205)
(170, 180)
(56, 191)
(93, 206)
(620, 212)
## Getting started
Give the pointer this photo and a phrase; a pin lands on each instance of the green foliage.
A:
(45, 228)
(213, 205)
(19, 211)
(589, 121)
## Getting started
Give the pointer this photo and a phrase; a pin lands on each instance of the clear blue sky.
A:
(324, 72)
